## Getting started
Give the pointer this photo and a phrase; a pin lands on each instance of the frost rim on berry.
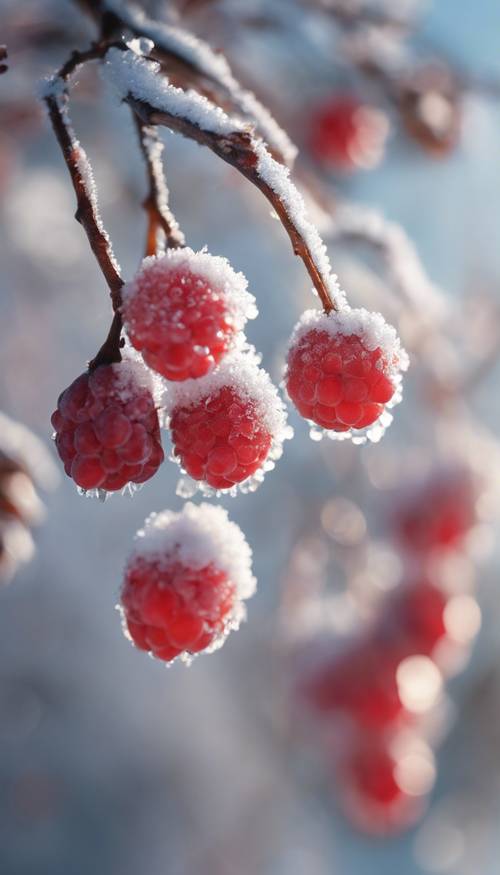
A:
(239, 370)
(215, 269)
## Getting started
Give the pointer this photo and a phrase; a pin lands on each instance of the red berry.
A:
(440, 514)
(360, 682)
(347, 134)
(384, 781)
(415, 618)
(343, 368)
(106, 425)
(183, 310)
(184, 583)
(225, 427)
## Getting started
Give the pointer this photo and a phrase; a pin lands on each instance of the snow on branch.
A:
(198, 58)
(157, 102)
(359, 224)
(55, 95)
(160, 217)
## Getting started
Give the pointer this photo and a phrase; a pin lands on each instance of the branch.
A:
(80, 171)
(160, 217)
(190, 61)
(56, 99)
(156, 102)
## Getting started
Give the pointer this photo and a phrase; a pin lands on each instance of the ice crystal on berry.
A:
(185, 582)
(344, 371)
(107, 430)
(227, 428)
(183, 311)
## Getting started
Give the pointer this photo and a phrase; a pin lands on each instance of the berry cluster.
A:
(346, 134)
(385, 684)
(185, 582)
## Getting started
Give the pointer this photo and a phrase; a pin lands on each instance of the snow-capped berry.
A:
(440, 513)
(107, 431)
(183, 310)
(185, 582)
(344, 368)
(347, 134)
(227, 426)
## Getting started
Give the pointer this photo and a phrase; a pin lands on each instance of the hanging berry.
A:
(228, 427)
(107, 431)
(344, 369)
(185, 582)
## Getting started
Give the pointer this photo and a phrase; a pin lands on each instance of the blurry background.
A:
(109, 762)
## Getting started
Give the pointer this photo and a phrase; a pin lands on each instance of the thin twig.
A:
(87, 214)
(160, 217)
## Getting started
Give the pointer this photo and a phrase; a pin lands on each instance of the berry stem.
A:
(109, 352)
(160, 217)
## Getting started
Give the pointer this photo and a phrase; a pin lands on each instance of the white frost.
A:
(371, 328)
(198, 536)
(211, 64)
(214, 270)
(131, 74)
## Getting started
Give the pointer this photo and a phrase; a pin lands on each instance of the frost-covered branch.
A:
(160, 217)
(190, 61)
(55, 95)
(157, 102)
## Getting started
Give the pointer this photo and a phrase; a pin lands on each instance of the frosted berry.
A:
(347, 135)
(185, 581)
(107, 431)
(343, 369)
(183, 311)
(226, 426)
(439, 515)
